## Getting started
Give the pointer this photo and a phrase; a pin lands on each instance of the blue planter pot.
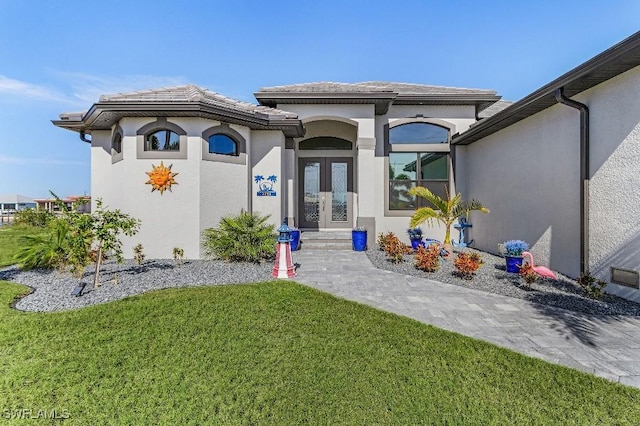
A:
(295, 240)
(417, 243)
(513, 263)
(359, 240)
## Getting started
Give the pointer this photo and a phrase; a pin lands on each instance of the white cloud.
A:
(82, 89)
(7, 159)
(11, 86)
(88, 88)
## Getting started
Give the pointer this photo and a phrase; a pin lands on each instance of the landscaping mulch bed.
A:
(492, 277)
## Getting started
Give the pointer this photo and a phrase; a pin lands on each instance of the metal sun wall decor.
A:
(161, 178)
(265, 186)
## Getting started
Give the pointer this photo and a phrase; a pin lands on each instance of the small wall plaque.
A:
(265, 186)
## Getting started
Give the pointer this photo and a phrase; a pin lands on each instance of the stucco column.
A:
(289, 176)
(366, 187)
(267, 158)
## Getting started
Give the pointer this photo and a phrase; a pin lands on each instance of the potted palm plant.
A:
(513, 250)
(444, 210)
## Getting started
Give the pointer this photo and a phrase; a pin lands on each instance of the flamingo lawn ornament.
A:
(542, 271)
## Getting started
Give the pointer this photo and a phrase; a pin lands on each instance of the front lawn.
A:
(278, 353)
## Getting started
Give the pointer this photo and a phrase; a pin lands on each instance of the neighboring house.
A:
(10, 203)
(80, 203)
(337, 155)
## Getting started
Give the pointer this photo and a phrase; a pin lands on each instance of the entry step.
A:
(325, 240)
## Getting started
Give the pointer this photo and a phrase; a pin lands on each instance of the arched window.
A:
(116, 144)
(222, 144)
(162, 140)
(418, 133)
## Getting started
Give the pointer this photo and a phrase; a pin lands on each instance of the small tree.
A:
(442, 210)
(73, 237)
(107, 225)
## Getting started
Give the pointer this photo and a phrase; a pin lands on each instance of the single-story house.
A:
(79, 203)
(558, 168)
(11, 203)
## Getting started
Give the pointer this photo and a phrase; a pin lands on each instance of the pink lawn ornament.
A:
(543, 271)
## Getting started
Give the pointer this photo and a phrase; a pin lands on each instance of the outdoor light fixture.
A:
(77, 292)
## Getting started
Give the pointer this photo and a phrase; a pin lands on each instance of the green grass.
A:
(278, 353)
(9, 241)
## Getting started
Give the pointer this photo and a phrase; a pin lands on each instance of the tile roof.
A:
(15, 199)
(375, 87)
(192, 93)
(494, 108)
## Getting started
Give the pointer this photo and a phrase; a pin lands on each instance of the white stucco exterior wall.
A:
(528, 176)
(615, 177)
(536, 164)
(267, 159)
(205, 190)
(224, 187)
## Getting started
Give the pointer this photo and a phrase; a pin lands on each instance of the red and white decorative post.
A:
(284, 263)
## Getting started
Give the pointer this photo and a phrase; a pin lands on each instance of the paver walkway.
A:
(607, 346)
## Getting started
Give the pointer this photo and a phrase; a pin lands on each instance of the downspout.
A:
(584, 176)
(83, 138)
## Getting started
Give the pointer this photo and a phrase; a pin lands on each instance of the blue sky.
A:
(61, 56)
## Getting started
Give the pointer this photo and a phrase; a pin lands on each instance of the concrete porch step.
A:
(325, 240)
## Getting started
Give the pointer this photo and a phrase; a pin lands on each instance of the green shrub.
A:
(138, 254)
(593, 287)
(33, 217)
(44, 251)
(242, 238)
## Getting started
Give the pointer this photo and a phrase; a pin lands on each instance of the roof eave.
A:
(598, 69)
(117, 110)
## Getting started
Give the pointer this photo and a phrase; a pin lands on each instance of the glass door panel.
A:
(325, 192)
(311, 194)
(339, 191)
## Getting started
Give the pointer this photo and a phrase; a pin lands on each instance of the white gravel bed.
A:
(492, 277)
(52, 289)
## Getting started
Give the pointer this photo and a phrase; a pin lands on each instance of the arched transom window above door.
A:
(325, 142)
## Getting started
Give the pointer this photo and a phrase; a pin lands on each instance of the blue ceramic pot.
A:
(359, 240)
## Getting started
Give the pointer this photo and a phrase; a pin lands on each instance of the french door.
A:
(325, 192)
